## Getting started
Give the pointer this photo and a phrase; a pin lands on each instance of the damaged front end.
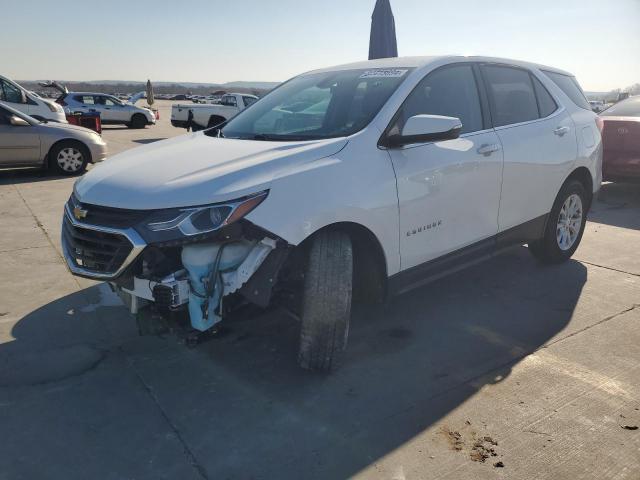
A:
(193, 260)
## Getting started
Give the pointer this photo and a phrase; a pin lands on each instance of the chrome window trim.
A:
(138, 245)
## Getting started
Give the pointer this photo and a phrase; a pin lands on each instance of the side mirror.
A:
(18, 122)
(424, 129)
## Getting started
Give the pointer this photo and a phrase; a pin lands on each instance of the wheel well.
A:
(48, 159)
(583, 175)
(216, 120)
(370, 266)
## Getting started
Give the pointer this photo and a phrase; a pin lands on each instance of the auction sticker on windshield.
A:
(384, 73)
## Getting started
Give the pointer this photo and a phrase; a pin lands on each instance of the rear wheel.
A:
(326, 301)
(69, 157)
(138, 121)
(565, 225)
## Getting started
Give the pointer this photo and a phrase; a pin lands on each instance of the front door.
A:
(19, 145)
(449, 191)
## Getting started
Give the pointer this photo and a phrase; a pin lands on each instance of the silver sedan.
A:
(27, 142)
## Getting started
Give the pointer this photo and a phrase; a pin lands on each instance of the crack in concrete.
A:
(22, 249)
(589, 327)
(199, 468)
(609, 268)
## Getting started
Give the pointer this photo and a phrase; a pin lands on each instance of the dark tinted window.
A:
(513, 98)
(569, 85)
(626, 108)
(449, 91)
(248, 101)
(546, 103)
(9, 93)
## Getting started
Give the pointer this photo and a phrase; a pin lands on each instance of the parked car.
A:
(112, 110)
(621, 140)
(385, 175)
(29, 103)
(28, 142)
(597, 105)
(208, 115)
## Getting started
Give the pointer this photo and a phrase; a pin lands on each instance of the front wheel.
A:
(565, 225)
(326, 301)
(138, 121)
(69, 157)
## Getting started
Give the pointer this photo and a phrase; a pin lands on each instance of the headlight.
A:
(174, 224)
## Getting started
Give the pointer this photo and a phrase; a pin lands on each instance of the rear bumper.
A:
(98, 152)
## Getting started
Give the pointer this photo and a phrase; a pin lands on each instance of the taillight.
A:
(600, 123)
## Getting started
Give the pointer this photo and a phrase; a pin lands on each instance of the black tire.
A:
(326, 301)
(215, 120)
(138, 121)
(63, 157)
(547, 249)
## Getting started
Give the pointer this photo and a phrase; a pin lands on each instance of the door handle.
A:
(487, 149)
(561, 131)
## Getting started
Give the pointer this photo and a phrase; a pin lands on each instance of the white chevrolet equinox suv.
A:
(360, 180)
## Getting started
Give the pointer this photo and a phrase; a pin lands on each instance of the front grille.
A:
(95, 251)
(107, 216)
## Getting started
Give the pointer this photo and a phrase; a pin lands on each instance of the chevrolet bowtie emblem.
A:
(79, 213)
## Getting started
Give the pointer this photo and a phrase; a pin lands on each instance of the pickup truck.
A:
(208, 115)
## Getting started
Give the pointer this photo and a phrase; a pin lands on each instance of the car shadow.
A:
(27, 175)
(145, 141)
(243, 407)
(616, 204)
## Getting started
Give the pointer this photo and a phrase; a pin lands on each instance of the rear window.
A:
(626, 108)
(546, 103)
(571, 88)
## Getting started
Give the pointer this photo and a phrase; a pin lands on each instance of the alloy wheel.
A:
(569, 222)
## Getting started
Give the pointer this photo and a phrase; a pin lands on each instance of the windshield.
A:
(318, 105)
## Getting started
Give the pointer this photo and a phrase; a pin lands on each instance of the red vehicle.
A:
(621, 141)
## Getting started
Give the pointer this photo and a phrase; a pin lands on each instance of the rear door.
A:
(19, 145)
(539, 143)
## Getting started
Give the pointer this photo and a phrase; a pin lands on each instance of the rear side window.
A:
(512, 95)
(449, 91)
(86, 99)
(570, 87)
(546, 103)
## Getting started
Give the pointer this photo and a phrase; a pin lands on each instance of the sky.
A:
(272, 40)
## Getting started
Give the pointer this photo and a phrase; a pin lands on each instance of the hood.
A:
(196, 169)
(67, 127)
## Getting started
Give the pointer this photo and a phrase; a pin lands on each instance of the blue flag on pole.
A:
(382, 43)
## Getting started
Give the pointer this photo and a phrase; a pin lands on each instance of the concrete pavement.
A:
(534, 367)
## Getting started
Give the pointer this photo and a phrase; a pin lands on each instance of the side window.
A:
(448, 91)
(511, 91)
(4, 115)
(569, 85)
(248, 101)
(229, 101)
(108, 102)
(546, 104)
(86, 99)
(10, 93)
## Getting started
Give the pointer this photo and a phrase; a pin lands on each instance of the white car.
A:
(112, 110)
(29, 103)
(209, 114)
(363, 179)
